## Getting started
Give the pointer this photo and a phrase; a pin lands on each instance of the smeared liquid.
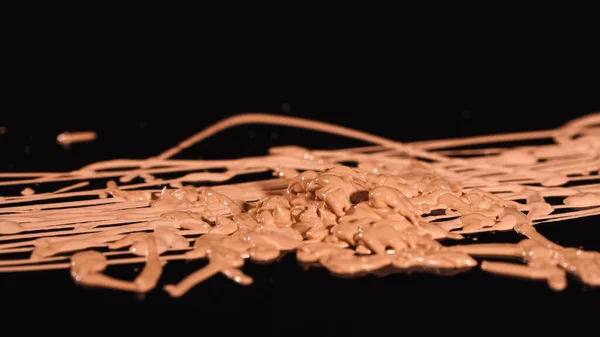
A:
(390, 213)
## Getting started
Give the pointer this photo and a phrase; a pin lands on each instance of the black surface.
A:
(467, 75)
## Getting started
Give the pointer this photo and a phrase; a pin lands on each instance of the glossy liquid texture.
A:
(388, 214)
(67, 138)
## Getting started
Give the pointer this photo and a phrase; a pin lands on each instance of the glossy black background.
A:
(143, 88)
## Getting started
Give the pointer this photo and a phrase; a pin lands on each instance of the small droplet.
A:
(27, 191)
